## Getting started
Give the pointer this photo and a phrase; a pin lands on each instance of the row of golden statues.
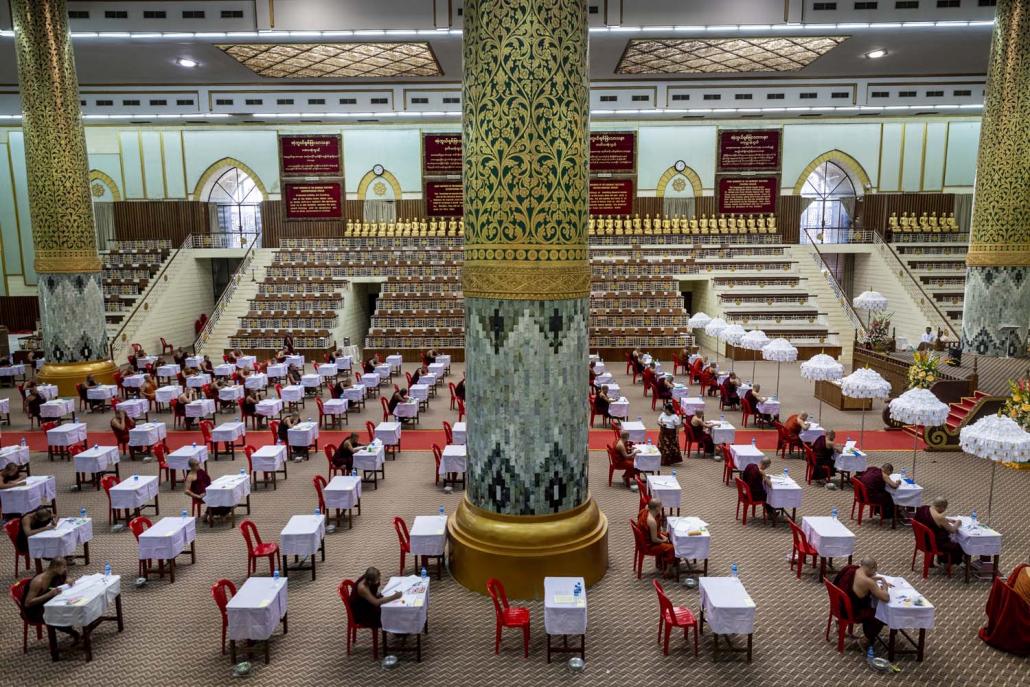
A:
(607, 225)
(910, 222)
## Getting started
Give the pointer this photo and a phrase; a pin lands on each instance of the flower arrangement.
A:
(924, 370)
(878, 332)
(1017, 406)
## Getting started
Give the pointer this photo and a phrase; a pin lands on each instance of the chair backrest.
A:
(437, 456)
(139, 524)
(371, 429)
(81, 388)
(461, 408)
(330, 451)
(745, 406)
(402, 533)
(279, 390)
(108, 481)
(448, 432)
(248, 451)
(321, 406)
(861, 495)
(727, 454)
(250, 533)
(840, 602)
(800, 540)
(221, 592)
(273, 427)
(159, 454)
(664, 604)
(17, 592)
(205, 429)
(12, 527)
(924, 537)
(645, 493)
(320, 483)
(743, 490)
(386, 408)
(496, 590)
(345, 589)
(613, 460)
(639, 537)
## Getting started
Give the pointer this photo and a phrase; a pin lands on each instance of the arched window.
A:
(237, 200)
(831, 195)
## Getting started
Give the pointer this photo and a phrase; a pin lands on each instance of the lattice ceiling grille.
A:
(337, 60)
(715, 55)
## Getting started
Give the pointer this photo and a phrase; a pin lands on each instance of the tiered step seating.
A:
(128, 267)
(940, 268)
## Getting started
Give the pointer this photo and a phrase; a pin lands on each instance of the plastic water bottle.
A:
(96, 446)
(733, 570)
(184, 513)
(275, 574)
(904, 473)
(23, 442)
(424, 574)
(194, 444)
(722, 417)
(972, 517)
(82, 512)
(353, 472)
(107, 569)
(870, 655)
(649, 441)
(243, 471)
(754, 442)
(443, 511)
(786, 473)
(318, 511)
(834, 513)
(576, 591)
(135, 477)
(674, 472)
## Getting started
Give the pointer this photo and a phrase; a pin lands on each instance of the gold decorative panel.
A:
(719, 55)
(336, 60)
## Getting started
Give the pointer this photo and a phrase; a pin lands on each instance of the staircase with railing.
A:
(927, 304)
(234, 302)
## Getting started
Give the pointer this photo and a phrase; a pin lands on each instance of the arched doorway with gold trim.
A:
(830, 186)
(379, 191)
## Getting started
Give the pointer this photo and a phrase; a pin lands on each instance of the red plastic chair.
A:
(404, 539)
(448, 432)
(744, 498)
(330, 451)
(728, 468)
(221, 592)
(689, 438)
(344, 590)
(253, 417)
(461, 410)
(861, 499)
(178, 417)
(507, 616)
(371, 429)
(641, 548)
(614, 463)
(642, 491)
(17, 591)
(840, 608)
(786, 443)
(927, 544)
(450, 385)
(12, 527)
(386, 408)
(670, 616)
(746, 411)
(273, 426)
(812, 469)
(437, 458)
(205, 432)
(802, 548)
(163, 471)
(106, 482)
(257, 549)
(138, 526)
(166, 347)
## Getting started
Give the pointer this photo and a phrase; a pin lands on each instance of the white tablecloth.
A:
(133, 492)
(395, 361)
(851, 460)
(246, 362)
(12, 370)
(666, 488)
(302, 535)
(57, 408)
(67, 435)
(437, 369)
(769, 407)
(619, 408)
(907, 495)
(727, 606)
(406, 409)
(419, 392)
(428, 535)
(63, 540)
(37, 490)
(258, 381)
(167, 538)
(429, 379)
(14, 454)
(901, 612)
(165, 394)
(459, 432)
(310, 381)
(343, 491)
(147, 434)
(828, 536)
(303, 434)
(257, 608)
(47, 391)
(369, 458)
(269, 458)
(134, 381)
(686, 545)
(5, 406)
(648, 458)
(168, 370)
(269, 407)
(326, 370)
(230, 393)
(602, 379)
(102, 392)
(977, 541)
(228, 491)
(292, 393)
(369, 380)
(564, 614)
(813, 432)
(135, 407)
(97, 459)
(144, 360)
(198, 380)
(295, 361)
(335, 406)
(84, 602)
(723, 433)
(389, 433)
(637, 431)
(408, 614)
(203, 407)
(346, 362)
(194, 361)
(454, 459)
(229, 431)
(276, 370)
(354, 394)
(444, 359)
(783, 492)
(744, 455)
(383, 371)
(692, 404)
(225, 370)
(179, 459)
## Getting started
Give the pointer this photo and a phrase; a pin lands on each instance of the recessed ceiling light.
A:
(875, 54)
(186, 62)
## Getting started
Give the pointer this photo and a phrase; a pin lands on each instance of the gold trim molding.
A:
(97, 175)
(224, 165)
(671, 173)
(66, 375)
(850, 165)
(995, 255)
(387, 176)
(524, 281)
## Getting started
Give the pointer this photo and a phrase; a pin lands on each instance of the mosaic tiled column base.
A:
(995, 311)
(71, 310)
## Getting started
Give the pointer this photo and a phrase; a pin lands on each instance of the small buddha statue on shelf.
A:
(721, 223)
(461, 226)
(637, 224)
(933, 222)
(703, 223)
(760, 224)
(924, 221)
(693, 225)
(647, 224)
(751, 224)
(432, 227)
(892, 221)
(620, 226)
(771, 223)
(666, 225)
(951, 223)
(452, 227)
(609, 225)
(741, 225)
(903, 221)
(349, 229)
(590, 226)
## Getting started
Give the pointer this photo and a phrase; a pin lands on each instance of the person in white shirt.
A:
(928, 336)
(668, 431)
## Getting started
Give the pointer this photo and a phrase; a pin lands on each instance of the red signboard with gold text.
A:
(744, 150)
(611, 196)
(310, 155)
(441, 154)
(613, 152)
(444, 199)
(313, 200)
(747, 195)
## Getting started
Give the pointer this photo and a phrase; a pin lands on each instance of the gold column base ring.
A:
(521, 550)
(66, 375)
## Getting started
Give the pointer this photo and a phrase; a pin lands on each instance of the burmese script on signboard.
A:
(613, 152)
(313, 200)
(748, 195)
(611, 196)
(756, 149)
(444, 199)
(310, 156)
(441, 154)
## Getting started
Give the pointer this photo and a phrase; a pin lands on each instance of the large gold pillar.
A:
(997, 299)
(528, 512)
(71, 297)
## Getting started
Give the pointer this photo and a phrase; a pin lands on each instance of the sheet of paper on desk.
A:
(569, 600)
(264, 602)
(850, 446)
(416, 602)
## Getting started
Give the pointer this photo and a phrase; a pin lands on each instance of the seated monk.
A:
(729, 389)
(44, 587)
(11, 477)
(398, 397)
(710, 380)
(753, 396)
(663, 388)
(603, 403)
(120, 425)
(343, 458)
(825, 450)
(876, 480)
(696, 368)
(650, 376)
(197, 482)
(862, 584)
(625, 452)
(638, 365)
(651, 520)
(459, 389)
(702, 432)
(795, 424)
(932, 517)
(757, 479)
(149, 389)
(1008, 613)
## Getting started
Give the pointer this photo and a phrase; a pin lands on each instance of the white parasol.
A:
(822, 368)
(865, 384)
(713, 329)
(732, 334)
(755, 340)
(999, 439)
(782, 351)
(870, 301)
(698, 320)
(918, 407)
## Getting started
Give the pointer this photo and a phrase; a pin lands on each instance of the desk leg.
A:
(822, 568)
(921, 645)
(997, 562)
(85, 553)
(51, 634)
(193, 551)
(87, 642)
(891, 642)
(232, 651)
(967, 559)
(750, 640)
